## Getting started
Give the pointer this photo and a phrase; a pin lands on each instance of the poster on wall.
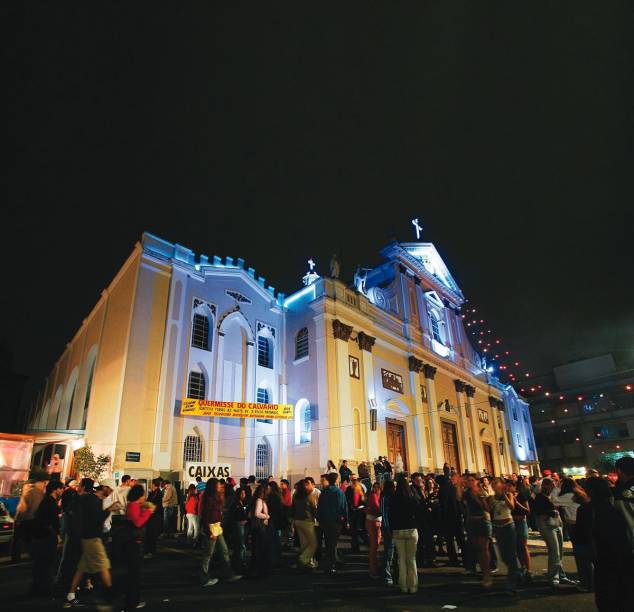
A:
(206, 470)
(392, 381)
(235, 410)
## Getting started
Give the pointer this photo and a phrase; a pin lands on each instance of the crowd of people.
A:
(471, 520)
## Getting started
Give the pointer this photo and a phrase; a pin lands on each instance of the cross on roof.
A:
(311, 263)
(417, 227)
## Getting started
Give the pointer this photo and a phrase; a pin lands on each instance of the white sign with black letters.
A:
(206, 470)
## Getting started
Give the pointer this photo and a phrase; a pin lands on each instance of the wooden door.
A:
(488, 458)
(450, 445)
(396, 442)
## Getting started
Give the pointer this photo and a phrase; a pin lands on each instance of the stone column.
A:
(507, 449)
(435, 430)
(460, 398)
(415, 366)
(475, 436)
(500, 437)
(366, 343)
(342, 333)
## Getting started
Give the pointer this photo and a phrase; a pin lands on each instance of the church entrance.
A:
(488, 458)
(450, 445)
(396, 442)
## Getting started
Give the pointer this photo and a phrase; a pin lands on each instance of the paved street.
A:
(170, 583)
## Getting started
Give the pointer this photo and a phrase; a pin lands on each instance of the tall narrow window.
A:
(196, 387)
(193, 449)
(262, 397)
(301, 343)
(70, 405)
(356, 428)
(200, 332)
(265, 352)
(435, 328)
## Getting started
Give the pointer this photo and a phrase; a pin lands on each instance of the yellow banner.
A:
(235, 410)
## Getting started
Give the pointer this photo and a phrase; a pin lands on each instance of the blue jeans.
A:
(388, 557)
(553, 537)
(240, 545)
(210, 546)
(169, 519)
(506, 539)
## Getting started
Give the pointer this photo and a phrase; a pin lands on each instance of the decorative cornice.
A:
(470, 390)
(493, 401)
(366, 342)
(460, 385)
(430, 371)
(415, 365)
(341, 331)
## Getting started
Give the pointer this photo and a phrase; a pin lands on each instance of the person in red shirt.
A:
(138, 513)
(373, 528)
(191, 510)
(287, 506)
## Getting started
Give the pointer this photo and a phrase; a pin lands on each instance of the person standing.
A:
(386, 532)
(520, 511)
(373, 520)
(32, 496)
(402, 521)
(138, 513)
(170, 508)
(154, 526)
(379, 469)
(191, 511)
(44, 538)
(260, 534)
(502, 505)
(303, 510)
(550, 528)
(624, 492)
(356, 511)
(478, 524)
(277, 521)
(425, 553)
(332, 514)
(344, 471)
(238, 523)
(364, 475)
(451, 526)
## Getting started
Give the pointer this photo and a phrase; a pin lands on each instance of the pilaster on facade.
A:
(341, 335)
(460, 410)
(473, 417)
(434, 417)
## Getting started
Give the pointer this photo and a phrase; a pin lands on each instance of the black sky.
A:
(277, 132)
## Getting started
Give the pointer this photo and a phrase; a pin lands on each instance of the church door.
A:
(450, 445)
(488, 458)
(396, 442)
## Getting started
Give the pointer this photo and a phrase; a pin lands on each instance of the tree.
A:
(90, 466)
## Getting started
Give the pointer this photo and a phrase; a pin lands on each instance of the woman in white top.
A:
(260, 534)
(331, 468)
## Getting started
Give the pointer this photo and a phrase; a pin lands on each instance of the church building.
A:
(381, 366)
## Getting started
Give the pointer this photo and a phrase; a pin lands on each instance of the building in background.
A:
(382, 366)
(587, 419)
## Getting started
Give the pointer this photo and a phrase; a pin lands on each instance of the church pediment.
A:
(424, 261)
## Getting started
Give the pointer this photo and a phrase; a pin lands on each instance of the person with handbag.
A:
(210, 514)
(550, 527)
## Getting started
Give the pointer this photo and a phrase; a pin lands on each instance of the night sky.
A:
(282, 132)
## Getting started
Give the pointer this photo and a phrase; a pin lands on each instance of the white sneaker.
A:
(554, 583)
(566, 580)
(211, 582)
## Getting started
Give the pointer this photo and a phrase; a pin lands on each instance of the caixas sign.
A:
(206, 470)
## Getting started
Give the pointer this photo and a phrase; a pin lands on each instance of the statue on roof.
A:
(335, 267)
(360, 277)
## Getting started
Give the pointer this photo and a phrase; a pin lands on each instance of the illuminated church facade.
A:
(382, 366)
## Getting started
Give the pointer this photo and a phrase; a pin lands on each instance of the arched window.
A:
(303, 422)
(262, 461)
(301, 343)
(70, 405)
(91, 375)
(201, 337)
(196, 387)
(435, 327)
(356, 428)
(265, 352)
(193, 449)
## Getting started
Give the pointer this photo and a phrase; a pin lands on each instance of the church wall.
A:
(136, 426)
(105, 402)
